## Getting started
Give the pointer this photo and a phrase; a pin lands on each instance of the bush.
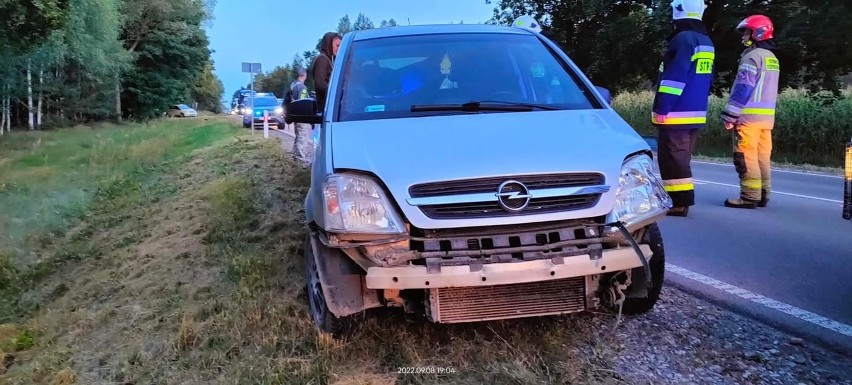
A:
(809, 128)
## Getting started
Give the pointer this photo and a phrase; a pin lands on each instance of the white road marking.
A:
(774, 192)
(777, 170)
(791, 310)
(701, 182)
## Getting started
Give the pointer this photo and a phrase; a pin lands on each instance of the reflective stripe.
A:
(670, 90)
(673, 84)
(683, 121)
(758, 111)
(681, 184)
(751, 183)
(703, 55)
(749, 68)
(687, 114)
(704, 48)
(683, 117)
(679, 187)
(758, 91)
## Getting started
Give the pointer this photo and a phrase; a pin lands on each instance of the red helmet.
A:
(760, 26)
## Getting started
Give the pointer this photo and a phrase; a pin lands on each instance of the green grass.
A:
(48, 179)
(809, 129)
(192, 271)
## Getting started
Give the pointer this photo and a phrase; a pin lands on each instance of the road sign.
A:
(251, 67)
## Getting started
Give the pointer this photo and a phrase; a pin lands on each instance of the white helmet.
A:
(688, 9)
(527, 22)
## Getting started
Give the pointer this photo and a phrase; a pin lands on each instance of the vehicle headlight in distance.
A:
(640, 195)
(357, 204)
(279, 110)
(247, 111)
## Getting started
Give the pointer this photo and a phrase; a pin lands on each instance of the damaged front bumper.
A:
(419, 277)
(490, 256)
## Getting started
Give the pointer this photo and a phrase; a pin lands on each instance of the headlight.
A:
(640, 194)
(279, 110)
(356, 204)
(247, 111)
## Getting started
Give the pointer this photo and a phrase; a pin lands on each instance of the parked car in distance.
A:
(263, 102)
(467, 173)
(182, 111)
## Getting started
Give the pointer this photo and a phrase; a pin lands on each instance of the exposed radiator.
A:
(484, 303)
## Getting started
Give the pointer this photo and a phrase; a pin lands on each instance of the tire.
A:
(323, 318)
(657, 265)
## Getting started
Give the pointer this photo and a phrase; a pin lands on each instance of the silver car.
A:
(470, 173)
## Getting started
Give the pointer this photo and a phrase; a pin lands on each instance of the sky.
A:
(271, 32)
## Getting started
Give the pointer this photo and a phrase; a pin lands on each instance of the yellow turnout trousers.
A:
(752, 152)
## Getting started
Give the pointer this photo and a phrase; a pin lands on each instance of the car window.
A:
(384, 77)
(263, 102)
(183, 107)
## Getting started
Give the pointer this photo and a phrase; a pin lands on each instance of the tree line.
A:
(77, 61)
(619, 44)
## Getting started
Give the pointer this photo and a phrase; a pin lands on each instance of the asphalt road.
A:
(793, 258)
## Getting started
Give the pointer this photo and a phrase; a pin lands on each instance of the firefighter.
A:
(680, 103)
(750, 112)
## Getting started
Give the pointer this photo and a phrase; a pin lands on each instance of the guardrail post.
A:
(266, 124)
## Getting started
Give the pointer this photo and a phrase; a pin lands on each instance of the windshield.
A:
(263, 102)
(384, 78)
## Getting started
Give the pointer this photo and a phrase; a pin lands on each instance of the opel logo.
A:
(513, 196)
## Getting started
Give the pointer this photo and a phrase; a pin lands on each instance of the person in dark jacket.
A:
(680, 102)
(323, 65)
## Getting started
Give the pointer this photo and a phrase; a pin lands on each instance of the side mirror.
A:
(605, 93)
(303, 111)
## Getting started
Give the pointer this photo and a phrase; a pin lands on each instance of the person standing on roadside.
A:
(323, 66)
(681, 99)
(303, 142)
(750, 112)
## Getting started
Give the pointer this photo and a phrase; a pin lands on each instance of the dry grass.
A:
(204, 284)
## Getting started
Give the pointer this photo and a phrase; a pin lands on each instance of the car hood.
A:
(404, 152)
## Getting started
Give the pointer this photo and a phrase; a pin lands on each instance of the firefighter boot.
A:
(740, 203)
(678, 211)
(764, 198)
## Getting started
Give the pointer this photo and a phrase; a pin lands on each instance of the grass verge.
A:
(809, 128)
(194, 274)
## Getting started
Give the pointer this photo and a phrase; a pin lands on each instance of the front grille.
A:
(493, 209)
(485, 303)
(487, 185)
(496, 245)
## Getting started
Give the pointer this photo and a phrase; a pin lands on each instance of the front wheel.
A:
(322, 316)
(657, 265)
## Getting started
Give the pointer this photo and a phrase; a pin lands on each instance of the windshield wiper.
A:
(486, 105)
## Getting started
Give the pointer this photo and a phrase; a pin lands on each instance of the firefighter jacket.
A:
(755, 90)
(683, 84)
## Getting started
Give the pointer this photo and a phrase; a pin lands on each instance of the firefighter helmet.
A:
(527, 22)
(688, 9)
(760, 26)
